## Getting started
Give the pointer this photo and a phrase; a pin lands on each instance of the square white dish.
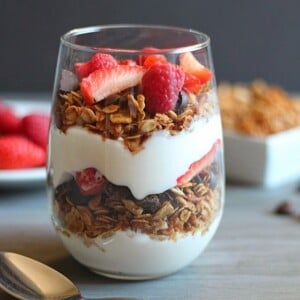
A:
(269, 161)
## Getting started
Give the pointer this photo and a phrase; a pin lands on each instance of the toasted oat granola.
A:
(257, 108)
(124, 116)
(183, 209)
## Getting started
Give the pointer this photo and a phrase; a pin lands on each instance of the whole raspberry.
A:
(161, 85)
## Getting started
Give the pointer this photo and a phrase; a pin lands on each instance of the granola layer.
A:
(180, 210)
(124, 116)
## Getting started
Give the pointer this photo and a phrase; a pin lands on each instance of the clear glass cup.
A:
(135, 166)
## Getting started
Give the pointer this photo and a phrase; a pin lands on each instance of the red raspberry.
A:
(102, 61)
(98, 61)
(161, 85)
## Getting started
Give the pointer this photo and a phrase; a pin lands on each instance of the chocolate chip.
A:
(284, 208)
(181, 103)
(75, 196)
(150, 204)
(62, 190)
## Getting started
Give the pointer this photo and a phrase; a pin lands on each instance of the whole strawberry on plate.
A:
(9, 121)
(35, 126)
(18, 152)
(23, 137)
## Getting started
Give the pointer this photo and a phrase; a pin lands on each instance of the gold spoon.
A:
(26, 278)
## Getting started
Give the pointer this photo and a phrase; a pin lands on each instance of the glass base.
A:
(122, 276)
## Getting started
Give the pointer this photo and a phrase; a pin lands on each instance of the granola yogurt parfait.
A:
(135, 166)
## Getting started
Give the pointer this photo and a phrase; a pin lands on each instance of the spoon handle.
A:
(78, 297)
(111, 298)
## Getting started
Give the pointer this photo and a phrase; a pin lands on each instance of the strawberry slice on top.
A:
(154, 57)
(151, 60)
(105, 82)
(197, 74)
(127, 62)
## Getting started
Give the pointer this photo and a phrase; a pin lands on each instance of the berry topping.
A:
(192, 84)
(161, 85)
(191, 65)
(151, 60)
(103, 61)
(82, 69)
(127, 62)
(90, 181)
(199, 165)
(151, 50)
(105, 82)
(98, 61)
(17, 152)
(35, 127)
(9, 121)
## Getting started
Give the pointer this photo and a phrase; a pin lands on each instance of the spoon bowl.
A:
(26, 278)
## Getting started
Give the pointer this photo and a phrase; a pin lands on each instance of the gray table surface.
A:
(254, 255)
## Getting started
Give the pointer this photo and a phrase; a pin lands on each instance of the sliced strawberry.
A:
(127, 62)
(151, 60)
(98, 61)
(199, 165)
(17, 152)
(105, 82)
(192, 84)
(35, 126)
(9, 121)
(141, 58)
(191, 65)
(150, 49)
(90, 181)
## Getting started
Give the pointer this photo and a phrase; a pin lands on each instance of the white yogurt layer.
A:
(136, 254)
(150, 171)
(153, 170)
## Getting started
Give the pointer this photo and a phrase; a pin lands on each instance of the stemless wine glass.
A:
(135, 166)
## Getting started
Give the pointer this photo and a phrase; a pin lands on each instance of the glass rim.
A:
(64, 39)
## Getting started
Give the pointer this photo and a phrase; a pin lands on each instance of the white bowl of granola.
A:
(261, 134)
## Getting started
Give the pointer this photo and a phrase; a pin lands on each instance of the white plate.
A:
(270, 161)
(25, 177)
